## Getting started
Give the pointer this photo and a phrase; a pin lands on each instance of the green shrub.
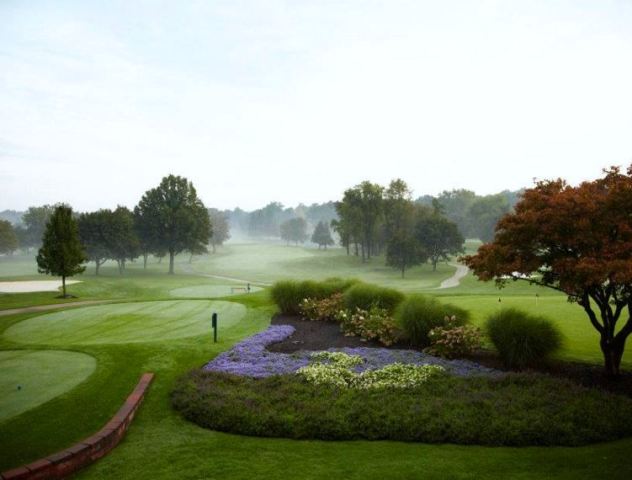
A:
(366, 295)
(453, 341)
(288, 294)
(418, 314)
(522, 339)
(326, 309)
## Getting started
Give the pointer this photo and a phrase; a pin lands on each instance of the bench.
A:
(240, 289)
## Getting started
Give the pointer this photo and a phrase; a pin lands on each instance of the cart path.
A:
(455, 280)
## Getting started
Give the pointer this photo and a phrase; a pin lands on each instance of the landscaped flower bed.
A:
(394, 394)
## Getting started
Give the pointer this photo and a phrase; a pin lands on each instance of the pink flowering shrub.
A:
(374, 324)
(325, 309)
(452, 340)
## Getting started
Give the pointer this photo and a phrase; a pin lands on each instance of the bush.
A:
(452, 341)
(419, 314)
(374, 324)
(288, 294)
(522, 339)
(365, 295)
(326, 309)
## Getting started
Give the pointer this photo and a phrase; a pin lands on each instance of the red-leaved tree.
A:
(577, 240)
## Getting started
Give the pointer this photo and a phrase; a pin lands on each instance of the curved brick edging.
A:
(68, 461)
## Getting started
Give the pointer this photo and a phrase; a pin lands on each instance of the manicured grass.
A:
(210, 291)
(125, 323)
(30, 377)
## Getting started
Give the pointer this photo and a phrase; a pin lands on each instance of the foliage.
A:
(175, 216)
(289, 295)
(8, 238)
(419, 314)
(61, 253)
(325, 309)
(577, 240)
(517, 409)
(220, 228)
(335, 369)
(93, 232)
(522, 340)
(438, 236)
(372, 324)
(322, 235)
(35, 219)
(366, 295)
(294, 230)
(453, 340)
(404, 251)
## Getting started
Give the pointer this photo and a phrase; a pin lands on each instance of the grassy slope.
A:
(162, 445)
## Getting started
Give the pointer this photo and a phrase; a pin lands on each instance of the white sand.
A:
(33, 286)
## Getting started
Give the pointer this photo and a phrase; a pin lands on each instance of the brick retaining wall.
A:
(68, 461)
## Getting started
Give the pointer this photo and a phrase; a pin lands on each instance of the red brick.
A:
(16, 473)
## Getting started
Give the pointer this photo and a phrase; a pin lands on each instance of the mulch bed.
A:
(313, 335)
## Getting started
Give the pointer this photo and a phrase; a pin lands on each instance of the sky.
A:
(295, 101)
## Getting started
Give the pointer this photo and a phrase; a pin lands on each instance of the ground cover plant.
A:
(516, 409)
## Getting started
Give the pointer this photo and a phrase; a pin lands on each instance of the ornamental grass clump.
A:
(290, 294)
(366, 295)
(453, 340)
(522, 340)
(418, 315)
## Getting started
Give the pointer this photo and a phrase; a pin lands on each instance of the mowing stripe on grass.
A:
(125, 323)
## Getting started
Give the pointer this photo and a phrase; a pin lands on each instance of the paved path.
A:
(55, 306)
(455, 280)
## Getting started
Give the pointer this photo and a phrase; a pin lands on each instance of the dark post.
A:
(214, 324)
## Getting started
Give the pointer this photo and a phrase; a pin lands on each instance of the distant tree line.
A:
(475, 216)
(168, 220)
(373, 219)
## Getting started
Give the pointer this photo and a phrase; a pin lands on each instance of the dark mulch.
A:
(312, 335)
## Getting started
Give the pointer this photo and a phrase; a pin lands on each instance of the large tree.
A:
(177, 217)
(220, 228)
(294, 230)
(404, 251)
(8, 238)
(577, 240)
(121, 238)
(93, 234)
(439, 237)
(322, 236)
(35, 220)
(61, 253)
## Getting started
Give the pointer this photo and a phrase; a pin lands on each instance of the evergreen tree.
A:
(61, 253)
(322, 235)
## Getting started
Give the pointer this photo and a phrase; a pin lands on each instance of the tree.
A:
(220, 227)
(577, 240)
(120, 235)
(404, 251)
(484, 214)
(61, 253)
(322, 235)
(176, 216)
(35, 220)
(92, 232)
(438, 236)
(8, 238)
(294, 230)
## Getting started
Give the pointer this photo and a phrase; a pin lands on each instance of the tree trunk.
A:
(191, 258)
(63, 285)
(347, 245)
(213, 247)
(403, 270)
(98, 265)
(612, 352)
(171, 258)
(434, 265)
(145, 255)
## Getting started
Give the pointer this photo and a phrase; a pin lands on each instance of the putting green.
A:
(125, 323)
(211, 291)
(41, 375)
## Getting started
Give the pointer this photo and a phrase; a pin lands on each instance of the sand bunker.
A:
(33, 286)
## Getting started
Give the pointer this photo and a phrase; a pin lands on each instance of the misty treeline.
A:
(168, 220)
(375, 220)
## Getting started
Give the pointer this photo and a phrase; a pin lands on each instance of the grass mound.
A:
(516, 410)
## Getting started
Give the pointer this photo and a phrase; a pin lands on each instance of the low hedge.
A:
(516, 410)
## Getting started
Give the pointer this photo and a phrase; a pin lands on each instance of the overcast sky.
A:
(297, 101)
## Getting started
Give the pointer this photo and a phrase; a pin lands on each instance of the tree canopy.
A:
(322, 236)
(294, 230)
(8, 238)
(175, 217)
(61, 253)
(220, 228)
(577, 240)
